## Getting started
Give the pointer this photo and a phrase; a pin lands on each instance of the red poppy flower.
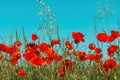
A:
(103, 37)
(48, 60)
(43, 47)
(28, 55)
(50, 53)
(112, 49)
(13, 61)
(58, 58)
(1, 57)
(68, 45)
(34, 37)
(96, 66)
(3, 47)
(110, 39)
(68, 65)
(77, 37)
(109, 64)
(115, 34)
(97, 50)
(98, 57)
(82, 55)
(16, 55)
(32, 45)
(18, 43)
(7, 49)
(10, 50)
(54, 42)
(21, 72)
(91, 46)
(37, 61)
(61, 71)
(33, 48)
(34, 51)
(90, 57)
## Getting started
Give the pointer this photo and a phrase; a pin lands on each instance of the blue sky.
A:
(71, 15)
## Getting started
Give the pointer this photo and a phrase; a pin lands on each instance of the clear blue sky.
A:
(71, 15)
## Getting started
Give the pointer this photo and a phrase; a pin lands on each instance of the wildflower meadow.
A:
(45, 55)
